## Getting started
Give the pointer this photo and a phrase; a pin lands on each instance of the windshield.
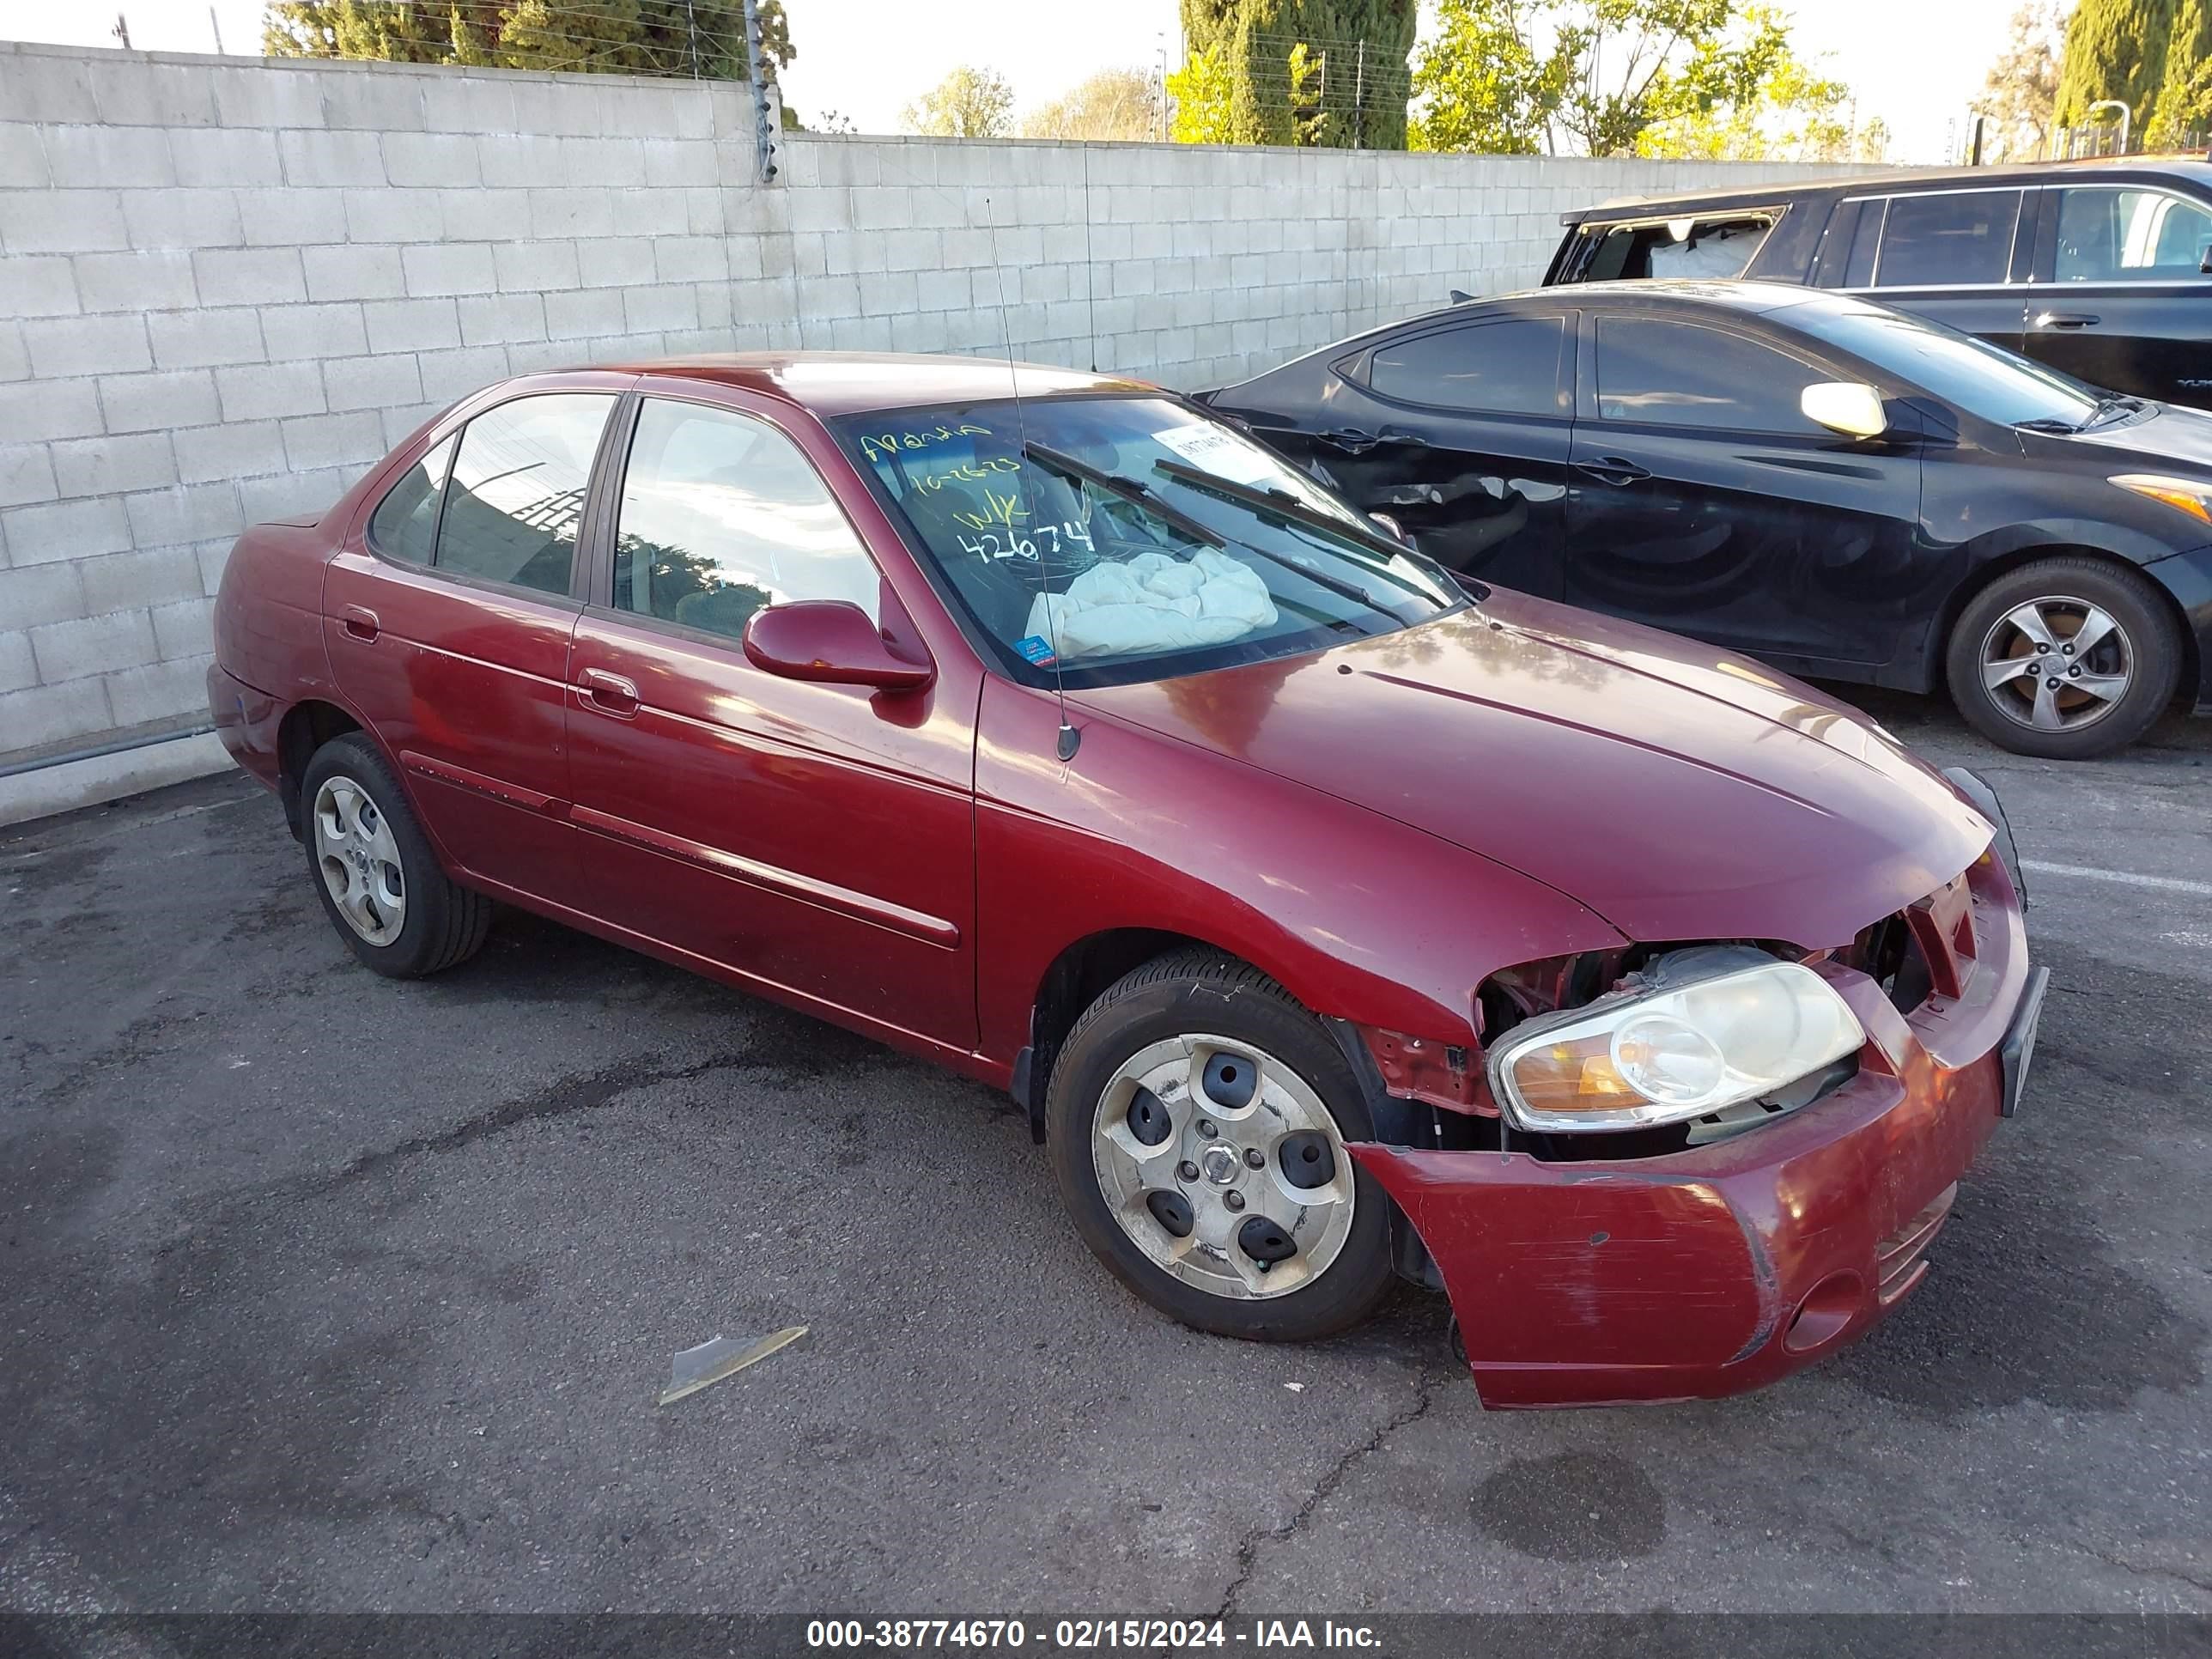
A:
(1983, 379)
(1116, 539)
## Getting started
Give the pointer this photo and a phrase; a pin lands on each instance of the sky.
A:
(1915, 63)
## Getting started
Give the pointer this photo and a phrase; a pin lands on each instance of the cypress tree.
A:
(1362, 97)
(2115, 49)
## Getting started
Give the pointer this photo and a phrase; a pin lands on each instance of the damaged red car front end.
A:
(1722, 1267)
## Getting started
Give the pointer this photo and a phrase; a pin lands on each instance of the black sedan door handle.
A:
(1612, 470)
(2067, 320)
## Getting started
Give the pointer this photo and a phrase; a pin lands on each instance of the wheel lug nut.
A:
(1234, 1200)
(2069, 650)
(2050, 685)
(1186, 1170)
(1255, 1158)
(1206, 1131)
(2075, 672)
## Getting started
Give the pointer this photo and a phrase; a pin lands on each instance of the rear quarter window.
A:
(1700, 247)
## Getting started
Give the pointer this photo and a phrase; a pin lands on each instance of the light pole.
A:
(2112, 103)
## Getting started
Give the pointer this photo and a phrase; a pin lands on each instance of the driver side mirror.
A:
(830, 642)
(1850, 407)
(2205, 259)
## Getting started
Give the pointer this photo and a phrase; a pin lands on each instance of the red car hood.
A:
(1679, 791)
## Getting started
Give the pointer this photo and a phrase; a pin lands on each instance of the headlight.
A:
(2188, 495)
(1676, 1052)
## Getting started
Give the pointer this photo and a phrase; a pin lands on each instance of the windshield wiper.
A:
(1274, 499)
(1129, 490)
(1133, 490)
(2112, 408)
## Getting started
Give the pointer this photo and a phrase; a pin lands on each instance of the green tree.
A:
(2180, 114)
(1200, 90)
(1121, 104)
(705, 38)
(1330, 73)
(2115, 49)
(968, 103)
(1621, 77)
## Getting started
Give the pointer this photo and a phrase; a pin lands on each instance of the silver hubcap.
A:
(360, 860)
(1224, 1167)
(2057, 664)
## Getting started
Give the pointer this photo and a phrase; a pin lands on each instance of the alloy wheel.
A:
(2056, 664)
(1224, 1167)
(359, 860)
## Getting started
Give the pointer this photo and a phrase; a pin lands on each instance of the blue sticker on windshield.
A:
(1036, 647)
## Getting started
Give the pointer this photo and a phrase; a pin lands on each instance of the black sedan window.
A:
(1510, 366)
(1655, 369)
(1983, 379)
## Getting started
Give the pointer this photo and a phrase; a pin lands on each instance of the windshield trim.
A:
(999, 657)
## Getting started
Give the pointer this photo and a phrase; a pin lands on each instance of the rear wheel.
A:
(372, 868)
(2067, 658)
(1197, 1120)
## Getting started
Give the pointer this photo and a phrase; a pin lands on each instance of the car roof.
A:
(857, 382)
(2193, 167)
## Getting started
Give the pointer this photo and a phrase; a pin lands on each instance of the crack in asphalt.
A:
(1247, 1548)
(2141, 1571)
(571, 1096)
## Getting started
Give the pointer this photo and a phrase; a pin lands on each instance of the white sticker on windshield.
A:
(1220, 452)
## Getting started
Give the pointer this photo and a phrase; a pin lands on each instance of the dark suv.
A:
(2096, 268)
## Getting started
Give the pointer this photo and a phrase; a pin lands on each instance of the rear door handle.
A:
(611, 693)
(359, 621)
(1612, 470)
(2067, 320)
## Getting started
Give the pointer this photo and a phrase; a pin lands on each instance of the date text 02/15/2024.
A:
(1086, 1634)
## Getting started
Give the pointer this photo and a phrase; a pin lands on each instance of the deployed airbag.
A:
(1153, 603)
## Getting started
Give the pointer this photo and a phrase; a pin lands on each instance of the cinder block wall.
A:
(227, 286)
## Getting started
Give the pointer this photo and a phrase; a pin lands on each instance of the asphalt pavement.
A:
(324, 1292)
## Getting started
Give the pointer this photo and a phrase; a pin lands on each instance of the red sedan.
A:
(1331, 920)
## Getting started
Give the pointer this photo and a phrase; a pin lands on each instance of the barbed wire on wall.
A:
(666, 39)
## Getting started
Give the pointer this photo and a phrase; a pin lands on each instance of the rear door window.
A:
(1657, 370)
(2109, 235)
(1951, 238)
(516, 498)
(1508, 367)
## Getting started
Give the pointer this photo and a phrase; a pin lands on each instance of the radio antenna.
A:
(1069, 739)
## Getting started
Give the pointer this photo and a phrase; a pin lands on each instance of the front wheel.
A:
(2065, 657)
(1197, 1120)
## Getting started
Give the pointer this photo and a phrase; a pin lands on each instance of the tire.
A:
(1306, 1215)
(410, 918)
(2137, 659)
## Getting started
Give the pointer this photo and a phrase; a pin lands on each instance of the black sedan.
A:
(1846, 491)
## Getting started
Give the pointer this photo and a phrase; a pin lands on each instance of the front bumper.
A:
(1723, 1268)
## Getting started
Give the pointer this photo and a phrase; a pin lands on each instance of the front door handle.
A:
(2067, 320)
(360, 623)
(1612, 470)
(610, 694)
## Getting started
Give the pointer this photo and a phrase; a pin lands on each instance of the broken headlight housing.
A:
(1709, 1028)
